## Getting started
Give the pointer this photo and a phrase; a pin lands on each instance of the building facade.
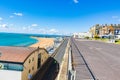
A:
(82, 35)
(95, 30)
(21, 63)
(101, 30)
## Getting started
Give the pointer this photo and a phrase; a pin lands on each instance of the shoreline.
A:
(42, 42)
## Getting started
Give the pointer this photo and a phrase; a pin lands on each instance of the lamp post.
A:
(111, 38)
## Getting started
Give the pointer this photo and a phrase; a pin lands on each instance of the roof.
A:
(15, 54)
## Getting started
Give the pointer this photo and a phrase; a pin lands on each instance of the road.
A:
(102, 58)
(60, 53)
(51, 68)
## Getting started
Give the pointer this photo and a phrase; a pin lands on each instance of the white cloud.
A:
(24, 28)
(34, 25)
(18, 14)
(42, 31)
(38, 30)
(11, 24)
(53, 31)
(11, 16)
(119, 20)
(4, 26)
(76, 1)
(1, 18)
(46, 31)
(115, 17)
(28, 29)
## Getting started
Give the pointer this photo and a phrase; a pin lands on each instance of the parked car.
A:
(117, 36)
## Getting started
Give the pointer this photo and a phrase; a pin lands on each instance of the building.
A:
(20, 63)
(117, 29)
(75, 35)
(82, 35)
(95, 30)
(102, 30)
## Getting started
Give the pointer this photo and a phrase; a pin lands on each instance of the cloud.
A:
(119, 20)
(4, 26)
(18, 14)
(53, 31)
(76, 1)
(24, 28)
(38, 30)
(1, 18)
(11, 16)
(115, 17)
(34, 25)
(47, 31)
(11, 25)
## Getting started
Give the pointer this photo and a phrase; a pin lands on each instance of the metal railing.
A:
(71, 71)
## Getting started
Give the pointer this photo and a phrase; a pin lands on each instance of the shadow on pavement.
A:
(48, 71)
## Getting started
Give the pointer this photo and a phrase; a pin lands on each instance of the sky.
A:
(56, 16)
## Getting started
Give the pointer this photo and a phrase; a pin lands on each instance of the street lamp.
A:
(111, 38)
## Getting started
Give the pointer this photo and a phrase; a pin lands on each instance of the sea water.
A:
(23, 40)
(12, 39)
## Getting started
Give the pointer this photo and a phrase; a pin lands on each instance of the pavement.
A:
(63, 73)
(102, 58)
(79, 64)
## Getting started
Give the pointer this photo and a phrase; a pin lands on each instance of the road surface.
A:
(53, 69)
(60, 53)
(102, 58)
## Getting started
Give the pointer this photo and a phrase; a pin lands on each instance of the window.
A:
(29, 70)
(29, 60)
(12, 66)
(33, 59)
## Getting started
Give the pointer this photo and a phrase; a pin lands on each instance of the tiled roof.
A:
(15, 54)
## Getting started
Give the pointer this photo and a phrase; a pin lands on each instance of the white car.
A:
(117, 36)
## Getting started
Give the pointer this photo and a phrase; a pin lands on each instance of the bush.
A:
(86, 37)
(96, 37)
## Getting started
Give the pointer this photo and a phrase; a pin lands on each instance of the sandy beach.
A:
(43, 42)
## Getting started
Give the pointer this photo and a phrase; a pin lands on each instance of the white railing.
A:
(71, 72)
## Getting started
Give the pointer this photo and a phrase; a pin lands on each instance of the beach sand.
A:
(43, 42)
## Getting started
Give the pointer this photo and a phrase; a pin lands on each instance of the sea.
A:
(22, 40)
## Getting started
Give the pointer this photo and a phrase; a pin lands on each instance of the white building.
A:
(82, 35)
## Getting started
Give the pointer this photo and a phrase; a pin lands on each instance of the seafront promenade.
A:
(95, 59)
(43, 42)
